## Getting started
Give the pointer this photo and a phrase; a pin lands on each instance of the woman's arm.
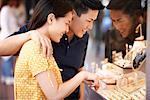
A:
(54, 92)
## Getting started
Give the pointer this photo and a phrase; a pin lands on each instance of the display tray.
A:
(118, 94)
(133, 86)
(133, 90)
(135, 80)
(123, 64)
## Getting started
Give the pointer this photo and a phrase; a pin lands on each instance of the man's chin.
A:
(80, 36)
(124, 36)
(57, 41)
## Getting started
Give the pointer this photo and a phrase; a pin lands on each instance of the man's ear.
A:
(51, 18)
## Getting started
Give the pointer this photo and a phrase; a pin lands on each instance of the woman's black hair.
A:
(44, 7)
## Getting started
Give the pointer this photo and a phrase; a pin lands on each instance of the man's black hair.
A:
(82, 6)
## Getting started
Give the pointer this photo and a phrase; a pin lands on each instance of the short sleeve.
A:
(37, 62)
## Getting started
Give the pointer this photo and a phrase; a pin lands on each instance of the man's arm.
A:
(82, 85)
(13, 44)
(82, 91)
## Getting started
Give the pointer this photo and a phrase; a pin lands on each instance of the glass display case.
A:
(125, 77)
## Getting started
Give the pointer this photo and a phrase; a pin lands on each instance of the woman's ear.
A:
(51, 18)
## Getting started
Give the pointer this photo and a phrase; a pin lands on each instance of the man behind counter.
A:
(126, 15)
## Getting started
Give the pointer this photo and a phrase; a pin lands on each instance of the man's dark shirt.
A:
(69, 56)
(115, 42)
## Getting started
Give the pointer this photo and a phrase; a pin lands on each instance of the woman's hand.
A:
(92, 79)
(43, 41)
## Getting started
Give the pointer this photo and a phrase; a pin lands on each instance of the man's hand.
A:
(43, 41)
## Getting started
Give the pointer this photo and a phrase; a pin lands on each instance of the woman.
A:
(37, 77)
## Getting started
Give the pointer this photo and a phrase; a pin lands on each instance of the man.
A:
(126, 16)
(70, 52)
